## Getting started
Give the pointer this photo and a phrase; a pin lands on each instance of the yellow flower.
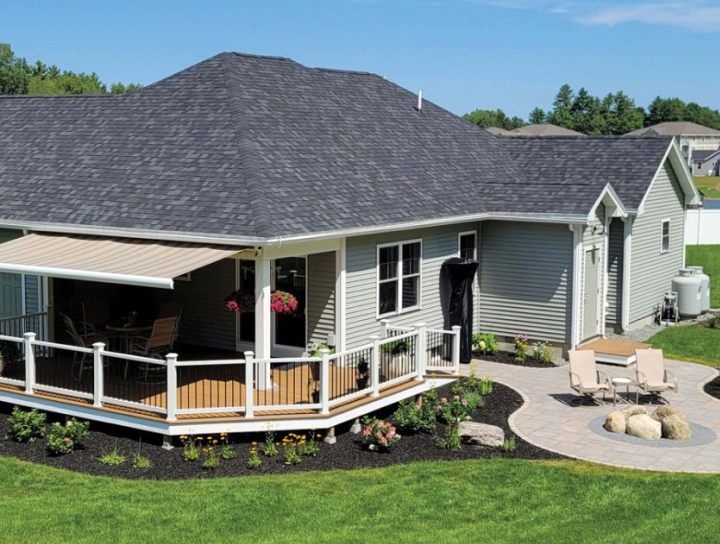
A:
(318, 435)
(254, 444)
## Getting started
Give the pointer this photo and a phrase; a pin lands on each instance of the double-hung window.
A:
(399, 276)
(467, 245)
(665, 237)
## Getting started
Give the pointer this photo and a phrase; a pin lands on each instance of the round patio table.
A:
(128, 331)
(627, 382)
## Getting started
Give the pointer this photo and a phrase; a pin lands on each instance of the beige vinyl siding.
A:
(205, 320)
(652, 271)
(438, 245)
(321, 296)
(613, 317)
(526, 280)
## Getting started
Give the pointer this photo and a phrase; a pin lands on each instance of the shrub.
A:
(379, 435)
(509, 445)
(112, 458)
(63, 439)
(26, 426)
(474, 400)
(454, 410)
(412, 419)
(714, 322)
(521, 348)
(485, 343)
(542, 351)
(141, 462)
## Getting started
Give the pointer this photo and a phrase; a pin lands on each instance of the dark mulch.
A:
(508, 358)
(712, 388)
(348, 453)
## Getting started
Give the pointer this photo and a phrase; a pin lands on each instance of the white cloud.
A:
(702, 15)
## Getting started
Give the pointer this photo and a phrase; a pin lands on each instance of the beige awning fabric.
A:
(112, 260)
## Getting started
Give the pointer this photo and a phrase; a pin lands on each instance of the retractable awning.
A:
(112, 260)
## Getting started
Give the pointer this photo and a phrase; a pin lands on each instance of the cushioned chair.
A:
(651, 375)
(586, 379)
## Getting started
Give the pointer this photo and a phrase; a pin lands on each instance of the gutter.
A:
(278, 240)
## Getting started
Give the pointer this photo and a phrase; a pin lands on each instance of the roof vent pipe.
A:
(419, 104)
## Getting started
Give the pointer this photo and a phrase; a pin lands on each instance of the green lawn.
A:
(690, 343)
(710, 186)
(709, 257)
(470, 501)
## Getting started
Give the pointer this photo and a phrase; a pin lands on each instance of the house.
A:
(255, 174)
(545, 129)
(705, 162)
(497, 131)
(690, 137)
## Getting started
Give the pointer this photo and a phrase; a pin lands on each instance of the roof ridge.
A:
(81, 95)
(262, 218)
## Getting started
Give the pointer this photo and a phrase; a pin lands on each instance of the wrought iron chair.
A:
(155, 346)
(80, 360)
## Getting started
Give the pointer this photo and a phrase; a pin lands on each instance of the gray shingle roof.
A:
(676, 128)
(545, 129)
(703, 154)
(244, 146)
(567, 173)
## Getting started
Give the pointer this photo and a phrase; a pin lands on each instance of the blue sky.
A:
(463, 54)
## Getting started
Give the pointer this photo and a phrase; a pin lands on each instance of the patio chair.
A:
(169, 308)
(651, 375)
(585, 379)
(81, 360)
(155, 346)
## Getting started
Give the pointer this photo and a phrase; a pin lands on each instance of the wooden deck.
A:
(616, 352)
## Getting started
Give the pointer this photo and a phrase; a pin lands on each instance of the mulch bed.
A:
(508, 358)
(712, 388)
(347, 453)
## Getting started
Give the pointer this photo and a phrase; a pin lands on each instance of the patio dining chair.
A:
(81, 361)
(586, 379)
(651, 375)
(155, 346)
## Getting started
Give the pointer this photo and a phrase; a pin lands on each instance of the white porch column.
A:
(262, 320)
(340, 278)
(576, 322)
(627, 263)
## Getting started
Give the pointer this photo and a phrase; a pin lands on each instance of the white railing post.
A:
(29, 338)
(325, 382)
(421, 351)
(384, 326)
(375, 367)
(98, 381)
(171, 359)
(456, 348)
(249, 384)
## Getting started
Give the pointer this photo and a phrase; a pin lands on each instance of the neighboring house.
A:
(497, 131)
(257, 173)
(544, 130)
(705, 163)
(690, 137)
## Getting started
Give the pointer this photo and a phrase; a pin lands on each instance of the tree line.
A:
(18, 76)
(615, 113)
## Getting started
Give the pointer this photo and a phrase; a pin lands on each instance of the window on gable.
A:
(467, 245)
(665, 240)
(399, 277)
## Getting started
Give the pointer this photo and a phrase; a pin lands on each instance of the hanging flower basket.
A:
(281, 302)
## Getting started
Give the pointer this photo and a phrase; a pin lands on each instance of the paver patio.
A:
(548, 421)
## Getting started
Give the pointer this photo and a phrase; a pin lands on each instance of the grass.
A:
(470, 501)
(709, 185)
(709, 257)
(690, 343)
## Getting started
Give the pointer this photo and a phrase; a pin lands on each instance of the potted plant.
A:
(281, 302)
(363, 374)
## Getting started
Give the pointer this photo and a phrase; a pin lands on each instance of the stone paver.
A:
(548, 421)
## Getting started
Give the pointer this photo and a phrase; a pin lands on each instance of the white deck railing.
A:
(172, 388)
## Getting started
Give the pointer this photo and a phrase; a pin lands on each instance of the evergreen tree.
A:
(537, 116)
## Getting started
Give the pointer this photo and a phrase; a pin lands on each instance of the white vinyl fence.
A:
(702, 227)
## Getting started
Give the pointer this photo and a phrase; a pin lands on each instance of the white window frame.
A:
(400, 276)
(662, 236)
(475, 245)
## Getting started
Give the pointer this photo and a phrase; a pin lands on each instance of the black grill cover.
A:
(458, 275)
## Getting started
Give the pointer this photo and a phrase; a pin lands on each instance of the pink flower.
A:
(464, 401)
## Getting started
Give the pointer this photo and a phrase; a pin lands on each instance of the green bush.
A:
(63, 439)
(141, 462)
(474, 400)
(485, 343)
(112, 458)
(412, 419)
(26, 426)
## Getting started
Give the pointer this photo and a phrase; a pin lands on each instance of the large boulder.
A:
(661, 412)
(634, 410)
(481, 434)
(675, 427)
(615, 422)
(643, 426)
